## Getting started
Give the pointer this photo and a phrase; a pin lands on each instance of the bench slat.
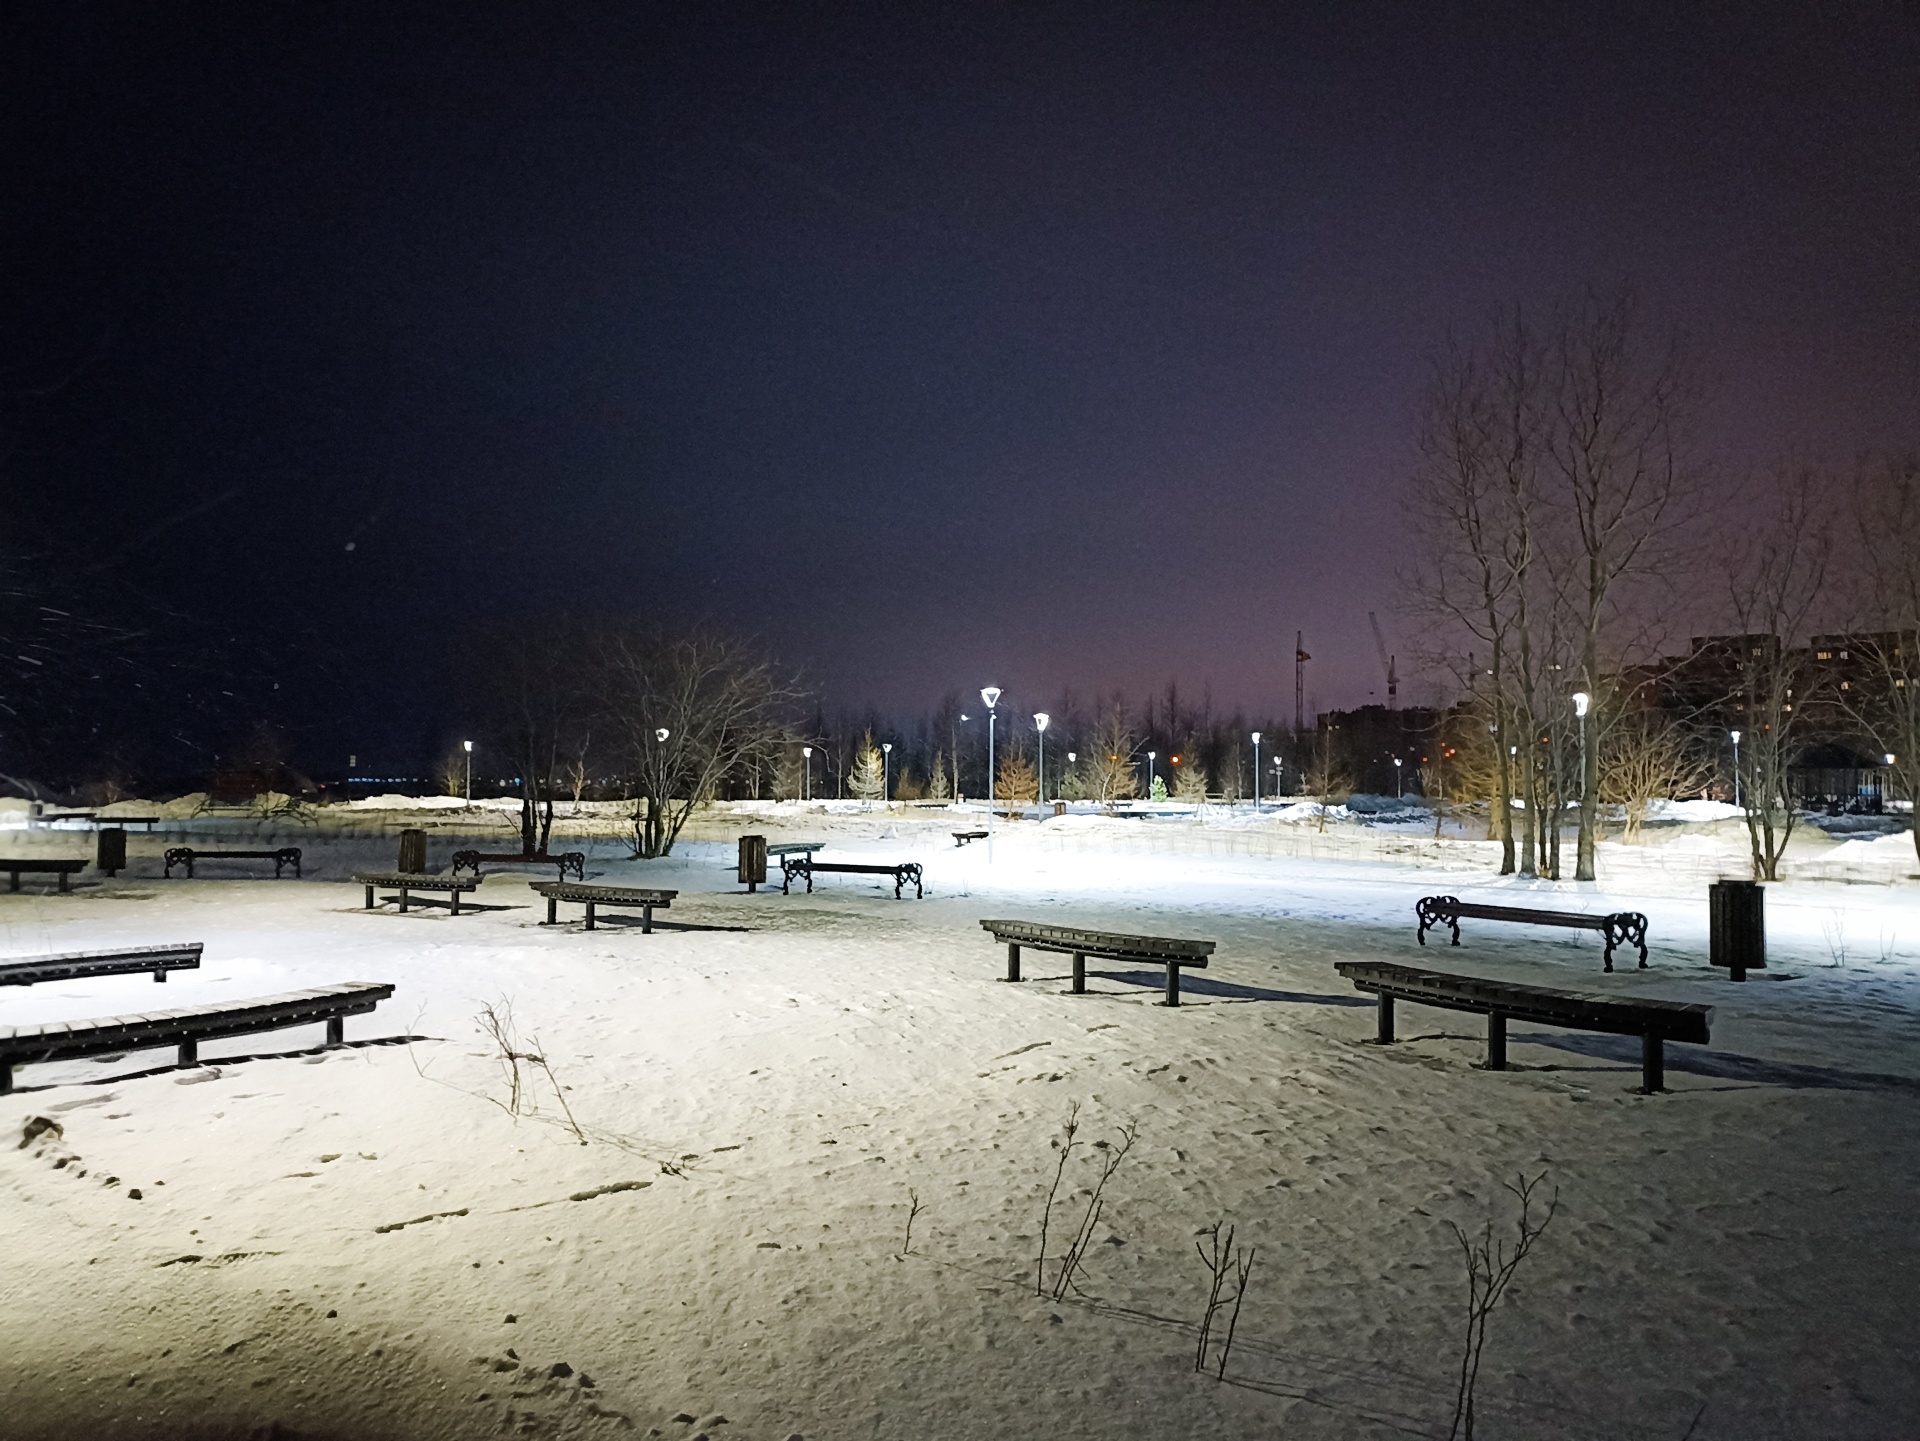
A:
(606, 895)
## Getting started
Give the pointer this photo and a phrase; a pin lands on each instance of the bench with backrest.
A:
(110, 1035)
(189, 856)
(574, 861)
(407, 883)
(901, 871)
(40, 865)
(960, 838)
(594, 896)
(1620, 928)
(1655, 1022)
(1172, 952)
(73, 965)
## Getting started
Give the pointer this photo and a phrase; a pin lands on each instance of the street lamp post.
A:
(1397, 789)
(1581, 702)
(886, 773)
(1256, 770)
(1040, 720)
(953, 740)
(469, 749)
(806, 789)
(991, 695)
(1736, 765)
(1150, 756)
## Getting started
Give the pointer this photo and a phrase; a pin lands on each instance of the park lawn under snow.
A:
(365, 1243)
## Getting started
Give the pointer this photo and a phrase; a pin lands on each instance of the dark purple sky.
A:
(1041, 345)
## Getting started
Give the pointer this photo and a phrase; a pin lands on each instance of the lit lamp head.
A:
(886, 747)
(1736, 736)
(807, 752)
(1256, 737)
(661, 734)
(1040, 721)
(1071, 757)
(991, 695)
(1581, 700)
(1890, 758)
(468, 745)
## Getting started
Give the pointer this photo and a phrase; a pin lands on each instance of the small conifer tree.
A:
(1190, 777)
(939, 788)
(868, 781)
(1016, 784)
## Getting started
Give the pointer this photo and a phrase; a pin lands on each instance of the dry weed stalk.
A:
(498, 1025)
(1490, 1266)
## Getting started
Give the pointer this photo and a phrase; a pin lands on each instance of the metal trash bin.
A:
(1737, 927)
(110, 850)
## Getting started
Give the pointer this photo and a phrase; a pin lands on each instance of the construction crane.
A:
(1386, 662)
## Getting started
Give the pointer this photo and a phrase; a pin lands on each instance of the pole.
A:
(1256, 770)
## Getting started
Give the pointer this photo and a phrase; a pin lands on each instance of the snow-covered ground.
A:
(365, 1243)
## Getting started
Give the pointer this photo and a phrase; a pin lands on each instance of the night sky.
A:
(1040, 345)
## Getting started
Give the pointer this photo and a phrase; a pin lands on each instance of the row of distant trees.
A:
(1195, 751)
(1568, 526)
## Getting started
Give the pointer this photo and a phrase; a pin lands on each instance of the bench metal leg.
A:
(63, 882)
(646, 920)
(553, 911)
(6, 1075)
(403, 900)
(16, 881)
(159, 975)
(1173, 984)
(1496, 1041)
(369, 904)
(1386, 1020)
(336, 1030)
(189, 1053)
(1079, 974)
(1013, 961)
(589, 915)
(1653, 1064)
(455, 908)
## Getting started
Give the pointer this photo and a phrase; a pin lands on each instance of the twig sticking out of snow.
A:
(1490, 1267)
(1116, 1152)
(499, 1028)
(913, 1211)
(1221, 1259)
(1064, 1145)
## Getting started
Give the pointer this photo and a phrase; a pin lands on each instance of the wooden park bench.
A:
(592, 896)
(110, 1035)
(73, 965)
(574, 861)
(960, 838)
(1655, 1022)
(902, 872)
(1168, 951)
(40, 865)
(406, 883)
(1620, 928)
(794, 848)
(188, 856)
(51, 818)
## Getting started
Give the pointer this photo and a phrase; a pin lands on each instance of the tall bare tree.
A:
(1776, 585)
(1886, 515)
(1618, 442)
(687, 709)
